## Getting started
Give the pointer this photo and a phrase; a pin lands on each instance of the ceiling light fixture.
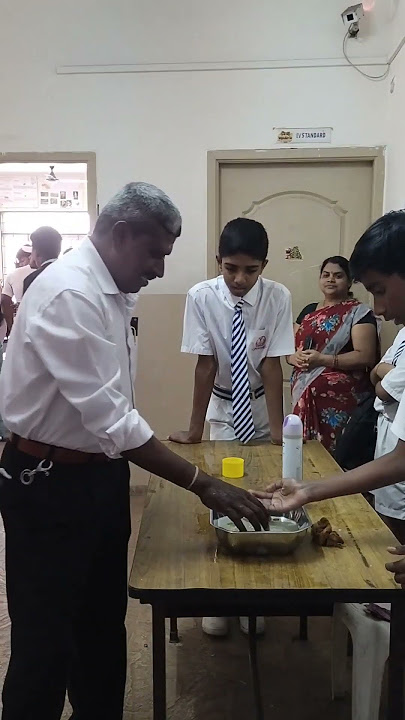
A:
(52, 177)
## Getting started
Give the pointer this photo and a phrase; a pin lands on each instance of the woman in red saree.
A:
(336, 343)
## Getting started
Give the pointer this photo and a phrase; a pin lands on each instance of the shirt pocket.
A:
(258, 340)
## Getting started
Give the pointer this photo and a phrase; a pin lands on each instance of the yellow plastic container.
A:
(233, 468)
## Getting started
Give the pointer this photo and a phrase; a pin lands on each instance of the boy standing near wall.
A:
(240, 325)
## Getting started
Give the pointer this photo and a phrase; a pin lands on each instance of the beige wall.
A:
(165, 376)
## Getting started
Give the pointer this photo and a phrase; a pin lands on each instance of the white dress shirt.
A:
(268, 322)
(394, 381)
(390, 500)
(67, 379)
(14, 282)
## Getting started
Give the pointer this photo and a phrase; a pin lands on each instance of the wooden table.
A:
(180, 572)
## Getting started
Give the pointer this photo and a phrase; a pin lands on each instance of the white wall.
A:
(395, 179)
(158, 127)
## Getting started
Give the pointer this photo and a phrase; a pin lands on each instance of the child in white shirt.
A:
(240, 325)
(389, 380)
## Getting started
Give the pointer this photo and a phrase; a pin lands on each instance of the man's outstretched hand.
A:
(232, 501)
(283, 496)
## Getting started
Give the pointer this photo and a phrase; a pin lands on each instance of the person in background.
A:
(46, 247)
(4, 434)
(67, 395)
(378, 261)
(239, 324)
(388, 377)
(336, 345)
(23, 256)
(13, 289)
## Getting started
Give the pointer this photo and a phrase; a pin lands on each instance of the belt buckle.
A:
(252, 395)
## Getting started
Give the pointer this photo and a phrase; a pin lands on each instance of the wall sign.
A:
(299, 136)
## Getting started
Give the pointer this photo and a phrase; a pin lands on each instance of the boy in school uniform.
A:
(388, 377)
(378, 261)
(240, 325)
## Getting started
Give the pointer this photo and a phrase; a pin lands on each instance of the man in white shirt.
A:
(378, 261)
(66, 394)
(46, 247)
(239, 324)
(13, 288)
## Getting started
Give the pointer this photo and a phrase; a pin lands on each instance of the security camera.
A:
(353, 14)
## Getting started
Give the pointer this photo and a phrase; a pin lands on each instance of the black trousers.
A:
(66, 570)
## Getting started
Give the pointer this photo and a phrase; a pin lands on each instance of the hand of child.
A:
(398, 568)
(184, 437)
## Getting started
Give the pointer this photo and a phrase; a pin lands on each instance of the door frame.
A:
(89, 158)
(216, 158)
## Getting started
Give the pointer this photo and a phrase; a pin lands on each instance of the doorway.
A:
(57, 189)
(313, 203)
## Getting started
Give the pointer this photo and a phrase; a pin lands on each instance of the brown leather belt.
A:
(42, 451)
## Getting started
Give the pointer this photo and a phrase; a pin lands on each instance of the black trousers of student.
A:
(66, 571)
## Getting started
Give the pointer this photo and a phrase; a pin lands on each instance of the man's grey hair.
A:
(137, 202)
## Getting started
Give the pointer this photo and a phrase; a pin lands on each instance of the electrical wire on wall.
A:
(375, 78)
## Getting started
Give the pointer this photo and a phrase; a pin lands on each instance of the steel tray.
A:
(285, 533)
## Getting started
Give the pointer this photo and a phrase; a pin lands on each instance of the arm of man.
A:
(85, 366)
(7, 306)
(272, 378)
(204, 377)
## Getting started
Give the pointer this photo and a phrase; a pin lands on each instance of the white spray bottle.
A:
(292, 447)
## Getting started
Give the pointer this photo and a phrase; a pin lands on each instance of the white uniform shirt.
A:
(268, 322)
(14, 282)
(398, 426)
(67, 379)
(394, 381)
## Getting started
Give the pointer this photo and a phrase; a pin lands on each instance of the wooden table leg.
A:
(397, 660)
(159, 663)
(303, 627)
(174, 631)
(255, 669)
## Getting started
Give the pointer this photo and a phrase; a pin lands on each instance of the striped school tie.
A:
(242, 410)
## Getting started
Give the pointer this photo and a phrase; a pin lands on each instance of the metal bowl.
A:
(285, 533)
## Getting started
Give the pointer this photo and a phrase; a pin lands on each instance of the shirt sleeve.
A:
(398, 426)
(388, 356)
(7, 289)
(70, 339)
(394, 381)
(196, 337)
(283, 341)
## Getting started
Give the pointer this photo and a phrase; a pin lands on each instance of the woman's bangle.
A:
(336, 362)
(195, 476)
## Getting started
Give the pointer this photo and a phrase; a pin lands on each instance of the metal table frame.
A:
(232, 603)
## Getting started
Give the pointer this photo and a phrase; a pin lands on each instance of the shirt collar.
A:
(48, 262)
(250, 298)
(103, 275)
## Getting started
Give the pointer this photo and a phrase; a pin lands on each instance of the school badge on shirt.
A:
(260, 342)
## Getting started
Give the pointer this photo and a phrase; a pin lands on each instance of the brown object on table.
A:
(178, 570)
(322, 534)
